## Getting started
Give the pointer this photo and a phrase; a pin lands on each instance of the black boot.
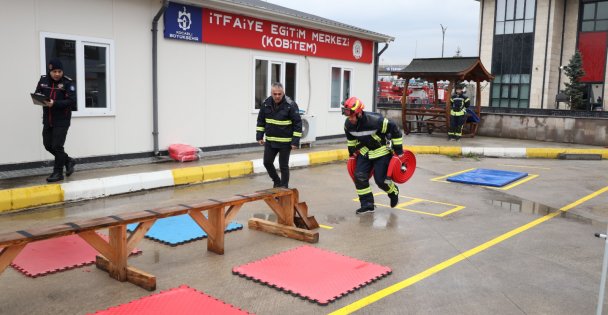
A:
(394, 199)
(366, 209)
(55, 177)
(69, 167)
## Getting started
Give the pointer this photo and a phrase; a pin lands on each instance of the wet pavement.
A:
(453, 248)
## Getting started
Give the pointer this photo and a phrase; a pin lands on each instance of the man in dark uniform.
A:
(56, 117)
(279, 118)
(367, 136)
(458, 115)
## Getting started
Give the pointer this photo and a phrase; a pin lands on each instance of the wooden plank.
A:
(276, 208)
(118, 242)
(203, 222)
(138, 234)
(310, 223)
(217, 218)
(8, 254)
(134, 275)
(284, 230)
(231, 213)
(98, 243)
(287, 208)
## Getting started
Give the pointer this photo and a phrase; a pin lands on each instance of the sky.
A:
(415, 25)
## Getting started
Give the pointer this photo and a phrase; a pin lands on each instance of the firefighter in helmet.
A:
(458, 115)
(368, 136)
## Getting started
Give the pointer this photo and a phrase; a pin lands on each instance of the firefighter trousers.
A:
(380, 166)
(456, 124)
(53, 139)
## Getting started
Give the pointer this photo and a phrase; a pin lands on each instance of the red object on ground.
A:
(183, 300)
(57, 254)
(401, 169)
(183, 152)
(312, 273)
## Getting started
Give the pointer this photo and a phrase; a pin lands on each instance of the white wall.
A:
(205, 91)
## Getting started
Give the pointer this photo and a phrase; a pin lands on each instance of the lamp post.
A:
(443, 29)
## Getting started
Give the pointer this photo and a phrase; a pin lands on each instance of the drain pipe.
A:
(155, 75)
(376, 60)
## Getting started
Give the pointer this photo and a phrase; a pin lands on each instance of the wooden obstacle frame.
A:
(417, 118)
(114, 252)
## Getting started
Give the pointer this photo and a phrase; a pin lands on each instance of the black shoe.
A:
(55, 177)
(366, 209)
(69, 167)
(394, 199)
(276, 185)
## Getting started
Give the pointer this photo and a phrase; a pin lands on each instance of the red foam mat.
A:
(56, 254)
(183, 301)
(312, 273)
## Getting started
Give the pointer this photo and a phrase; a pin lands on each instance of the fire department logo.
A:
(357, 49)
(184, 20)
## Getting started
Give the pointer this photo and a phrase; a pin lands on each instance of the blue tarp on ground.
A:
(178, 230)
(487, 177)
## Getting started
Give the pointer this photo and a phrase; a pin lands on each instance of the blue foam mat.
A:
(178, 230)
(487, 177)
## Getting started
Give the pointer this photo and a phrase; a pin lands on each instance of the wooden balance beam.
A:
(115, 252)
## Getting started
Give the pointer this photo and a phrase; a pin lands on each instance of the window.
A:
(594, 16)
(514, 16)
(340, 86)
(88, 62)
(269, 71)
(512, 53)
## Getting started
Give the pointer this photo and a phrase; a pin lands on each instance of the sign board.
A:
(191, 23)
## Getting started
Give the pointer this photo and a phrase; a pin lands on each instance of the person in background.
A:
(279, 119)
(56, 117)
(460, 102)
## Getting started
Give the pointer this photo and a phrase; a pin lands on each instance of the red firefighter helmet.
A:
(353, 105)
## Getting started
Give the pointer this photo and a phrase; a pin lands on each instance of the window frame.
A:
(350, 83)
(82, 41)
(271, 61)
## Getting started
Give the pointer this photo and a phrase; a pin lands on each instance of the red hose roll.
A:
(401, 169)
(352, 164)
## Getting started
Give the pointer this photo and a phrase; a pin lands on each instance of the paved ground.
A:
(506, 252)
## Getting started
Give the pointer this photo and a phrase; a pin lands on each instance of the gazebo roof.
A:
(457, 68)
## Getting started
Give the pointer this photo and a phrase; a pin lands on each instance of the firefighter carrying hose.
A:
(458, 115)
(369, 136)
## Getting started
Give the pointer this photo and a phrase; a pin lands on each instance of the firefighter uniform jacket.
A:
(63, 92)
(460, 102)
(370, 134)
(281, 123)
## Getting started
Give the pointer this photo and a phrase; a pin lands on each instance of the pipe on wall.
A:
(160, 13)
(376, 60)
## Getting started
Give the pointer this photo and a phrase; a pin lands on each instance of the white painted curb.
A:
(83, 189)
(158, 179)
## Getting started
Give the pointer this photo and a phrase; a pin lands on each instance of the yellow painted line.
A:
(450, 151)
(411, 202)
(6, 200)
(519, 182)
(215, 172)
(372, 298)
(525, 166)
(451, 211)
(327, 227)
(322, 157)
(439, 179)
(237, 169)
(408, 210)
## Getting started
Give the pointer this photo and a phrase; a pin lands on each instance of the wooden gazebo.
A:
(454, 70)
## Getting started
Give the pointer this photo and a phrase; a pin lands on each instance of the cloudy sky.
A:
(414, 24)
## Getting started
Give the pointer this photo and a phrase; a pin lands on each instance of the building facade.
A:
(215, 63)
(526, 43)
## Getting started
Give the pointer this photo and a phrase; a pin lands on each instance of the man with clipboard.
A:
(60, 100)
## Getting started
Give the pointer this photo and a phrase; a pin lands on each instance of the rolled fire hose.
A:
(400, 169)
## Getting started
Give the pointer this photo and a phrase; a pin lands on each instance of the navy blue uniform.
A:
(369, 136)
(56, 120)
(282, 125)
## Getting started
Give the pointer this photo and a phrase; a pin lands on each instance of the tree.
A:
(458, 52)
(574, 88)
